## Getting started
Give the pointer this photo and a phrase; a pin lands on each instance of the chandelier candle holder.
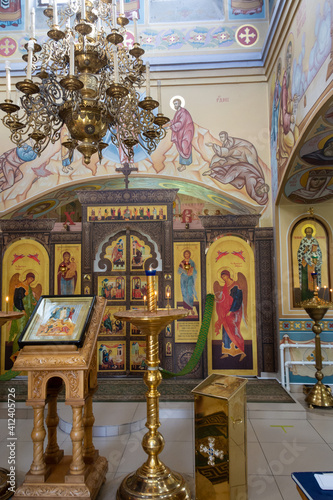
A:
(318, 395)
(86, 78)
(153, 480)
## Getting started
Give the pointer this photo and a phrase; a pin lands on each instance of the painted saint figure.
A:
(309, 258)
(67, 275)
(117, 253)
(236, 162)
(231, 306)
(316, 188)
(188, 276)
(182, 132)
(288, 130)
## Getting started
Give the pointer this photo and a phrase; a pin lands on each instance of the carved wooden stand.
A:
(53, 475)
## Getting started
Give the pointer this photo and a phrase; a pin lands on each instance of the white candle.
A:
(7, 303)
(30, 54)
(331, 295)
(55, 13)
(114, 13)
(147, 79)
(71, 57)
(135, 21)
(33, 34)
(8, 82)
(122, 8)
(159, 96)
(83, 10)
(115, 64)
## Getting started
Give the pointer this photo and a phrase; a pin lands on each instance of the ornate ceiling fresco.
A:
(310, 174)
(214, 32)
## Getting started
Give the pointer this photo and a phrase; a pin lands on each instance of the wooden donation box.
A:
(220, 438)
(53, 475)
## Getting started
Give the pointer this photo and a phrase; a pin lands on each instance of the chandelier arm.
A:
(89, 81)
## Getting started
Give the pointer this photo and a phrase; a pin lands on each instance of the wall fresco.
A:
(301, 73)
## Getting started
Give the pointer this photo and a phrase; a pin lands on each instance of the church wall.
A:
(238, 107)
(294, 323)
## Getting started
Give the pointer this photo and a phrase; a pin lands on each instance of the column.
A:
(38, 466)
(77, 466)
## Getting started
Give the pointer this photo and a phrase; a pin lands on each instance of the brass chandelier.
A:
(87, 79)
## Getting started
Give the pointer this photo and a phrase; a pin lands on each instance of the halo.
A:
(182, 101)
(26, 271)
(225, 268)
(323, 141)
(50, 204)
(312, 227)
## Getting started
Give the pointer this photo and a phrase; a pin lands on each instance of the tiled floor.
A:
(282, 438)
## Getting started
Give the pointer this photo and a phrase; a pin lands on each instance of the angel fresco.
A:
(25, 298)
(231, 307)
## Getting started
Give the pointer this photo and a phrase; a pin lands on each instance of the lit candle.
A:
(33, 34)
(147, 79)
(8, 83)
(159, 96)
(55, 13)
(7, 303)
(331, 294)
(135, 21)
(325, 292)
(83, 9)
(115, 64)
(30, 54)
(71, 57)
(122, 8)
(114, 14)
(144, 301)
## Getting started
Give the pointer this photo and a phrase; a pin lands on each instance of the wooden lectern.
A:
(52, 474)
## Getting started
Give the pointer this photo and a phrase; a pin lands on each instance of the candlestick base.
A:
(168, 485)
(320, 395)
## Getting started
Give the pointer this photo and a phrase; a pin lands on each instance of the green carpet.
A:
(257, 390)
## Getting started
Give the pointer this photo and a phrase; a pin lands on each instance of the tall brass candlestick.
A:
(153, 480)
(152, 302)
(319, 394)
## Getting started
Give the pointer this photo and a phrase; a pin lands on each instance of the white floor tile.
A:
(324, 428)
(274, 431)
(251, 437)
(273, 452)
(263, 488)
(178, 456)
(287, 488)
(133, 456)
(174, 429)
(285, 457)
(256, 461)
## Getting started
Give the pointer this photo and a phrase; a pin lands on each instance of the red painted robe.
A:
(182, 132)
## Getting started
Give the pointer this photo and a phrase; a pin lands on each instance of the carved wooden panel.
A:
(266, 300)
